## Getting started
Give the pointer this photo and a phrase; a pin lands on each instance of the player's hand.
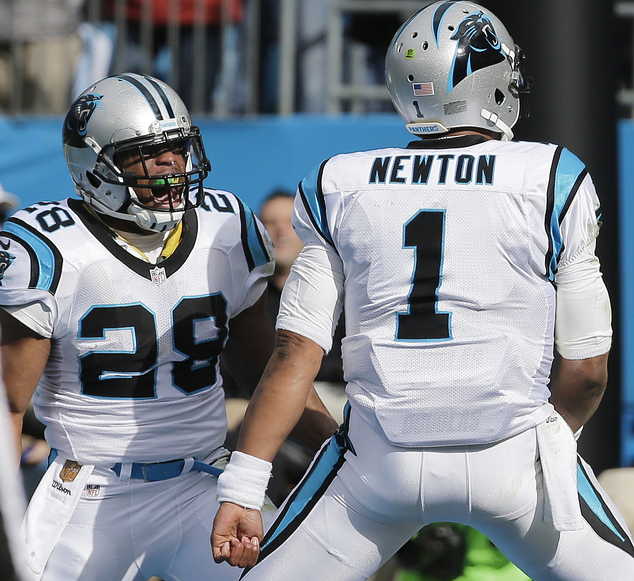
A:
(236, 535)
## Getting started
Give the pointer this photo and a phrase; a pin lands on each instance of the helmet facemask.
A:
(520, 82)
(160, 175)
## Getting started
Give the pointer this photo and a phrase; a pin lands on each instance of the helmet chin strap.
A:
(507, 132)
(155, 221)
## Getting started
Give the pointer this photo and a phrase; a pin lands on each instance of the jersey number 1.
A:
(425, 233)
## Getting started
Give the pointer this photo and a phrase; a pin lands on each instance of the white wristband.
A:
(244, 481)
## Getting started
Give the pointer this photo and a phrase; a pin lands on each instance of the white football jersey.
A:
(450, 259)
(133, 375)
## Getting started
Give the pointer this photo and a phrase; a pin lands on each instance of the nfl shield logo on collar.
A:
(158, 275)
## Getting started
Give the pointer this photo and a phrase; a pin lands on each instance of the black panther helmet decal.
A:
(77, 119)
(6, 258)
(478, 45)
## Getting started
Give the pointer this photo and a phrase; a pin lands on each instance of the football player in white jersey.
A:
(116, 308)
(478, 329)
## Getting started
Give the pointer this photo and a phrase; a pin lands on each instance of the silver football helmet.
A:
(454, 65)
(134, 116)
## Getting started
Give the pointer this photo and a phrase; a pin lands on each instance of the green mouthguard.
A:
(165, 182)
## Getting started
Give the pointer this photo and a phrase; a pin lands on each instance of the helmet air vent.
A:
(95, 182)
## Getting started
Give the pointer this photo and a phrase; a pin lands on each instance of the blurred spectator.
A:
(276, 212)
(374, 31)
(95, 58)
(311, 55)
(198, 57)
(39, 46)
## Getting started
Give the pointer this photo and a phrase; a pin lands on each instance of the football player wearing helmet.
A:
(116, 308)
(478, 330)
(114, 161)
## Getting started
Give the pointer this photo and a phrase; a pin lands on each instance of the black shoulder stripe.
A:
(550, 206)
(244, 237)
(314, 202)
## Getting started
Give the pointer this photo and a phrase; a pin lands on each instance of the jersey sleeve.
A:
(573, 210)
(583, 315)
(30, 268)
(251, 258)
(313, 295)
(315, 211)
(583, 320)
(312, 298)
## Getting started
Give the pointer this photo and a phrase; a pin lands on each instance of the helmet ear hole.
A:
(499, 97)
(95, 182)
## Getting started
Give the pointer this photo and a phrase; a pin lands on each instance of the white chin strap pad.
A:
(155, 221)
(507, 132)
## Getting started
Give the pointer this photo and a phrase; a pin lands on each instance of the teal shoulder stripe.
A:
(43, 253)
(569, 169)
(313, 198)
(569, 172)
(252, 239)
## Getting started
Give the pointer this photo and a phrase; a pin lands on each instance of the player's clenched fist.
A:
(236, 535)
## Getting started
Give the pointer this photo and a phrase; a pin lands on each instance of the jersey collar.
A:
(447, 142)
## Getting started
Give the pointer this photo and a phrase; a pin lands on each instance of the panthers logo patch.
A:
(478, 45)
(6, 258)
(77, 118)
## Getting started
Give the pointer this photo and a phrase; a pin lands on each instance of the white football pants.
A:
(130, 531)
(363, 498)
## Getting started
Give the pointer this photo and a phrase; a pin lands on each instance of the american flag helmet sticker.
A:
(423, 89)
